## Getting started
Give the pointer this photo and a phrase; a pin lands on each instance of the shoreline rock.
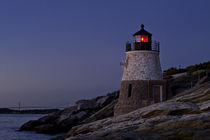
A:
(173, 119)
(63, 120)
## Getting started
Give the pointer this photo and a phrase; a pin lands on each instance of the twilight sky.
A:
(54, 52)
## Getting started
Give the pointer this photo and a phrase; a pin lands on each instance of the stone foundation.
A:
(139, 93)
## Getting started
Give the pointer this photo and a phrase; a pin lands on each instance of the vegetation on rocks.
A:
(189, 69)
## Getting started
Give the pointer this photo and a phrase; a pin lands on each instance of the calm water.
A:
(10, 123)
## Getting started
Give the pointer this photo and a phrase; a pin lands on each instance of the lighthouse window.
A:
(137, 38)
(129, 90)
(141, 38)
(144, 38)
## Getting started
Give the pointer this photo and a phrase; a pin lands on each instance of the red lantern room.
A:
(142, 40)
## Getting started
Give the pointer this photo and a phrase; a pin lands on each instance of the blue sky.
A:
(54, 52)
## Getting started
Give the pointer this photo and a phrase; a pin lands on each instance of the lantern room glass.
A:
(141, 38)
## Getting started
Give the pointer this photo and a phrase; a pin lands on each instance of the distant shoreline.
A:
(30, 111)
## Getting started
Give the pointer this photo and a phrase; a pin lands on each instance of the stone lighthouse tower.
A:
(142, 82)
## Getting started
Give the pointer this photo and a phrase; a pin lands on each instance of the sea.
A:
(10, 123)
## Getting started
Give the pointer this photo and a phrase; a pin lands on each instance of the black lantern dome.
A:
(142, 40)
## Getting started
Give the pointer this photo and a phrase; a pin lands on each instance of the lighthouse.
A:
(142, 82)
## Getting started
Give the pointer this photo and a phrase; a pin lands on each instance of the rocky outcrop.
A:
(184, 117)
(85, 104)
(49, 124)
(62, 121)
(105, 112)
(186, 127)
(178, 83)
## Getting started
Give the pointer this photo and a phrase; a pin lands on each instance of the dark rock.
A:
(105, 100)
(30, 125)
(73, 120)
(47, 129)
(107, 111)
(65, 114)
(62, 121)
(85, 104)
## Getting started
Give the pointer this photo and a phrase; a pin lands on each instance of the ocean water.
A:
(10, 123)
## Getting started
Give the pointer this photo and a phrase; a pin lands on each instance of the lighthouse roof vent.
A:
(142, 31)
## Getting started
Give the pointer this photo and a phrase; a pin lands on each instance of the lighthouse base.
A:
(140, 93)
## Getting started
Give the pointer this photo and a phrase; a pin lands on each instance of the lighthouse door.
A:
(157, 93)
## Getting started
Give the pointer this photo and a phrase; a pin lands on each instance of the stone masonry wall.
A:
(142, 65)
(141, 95)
